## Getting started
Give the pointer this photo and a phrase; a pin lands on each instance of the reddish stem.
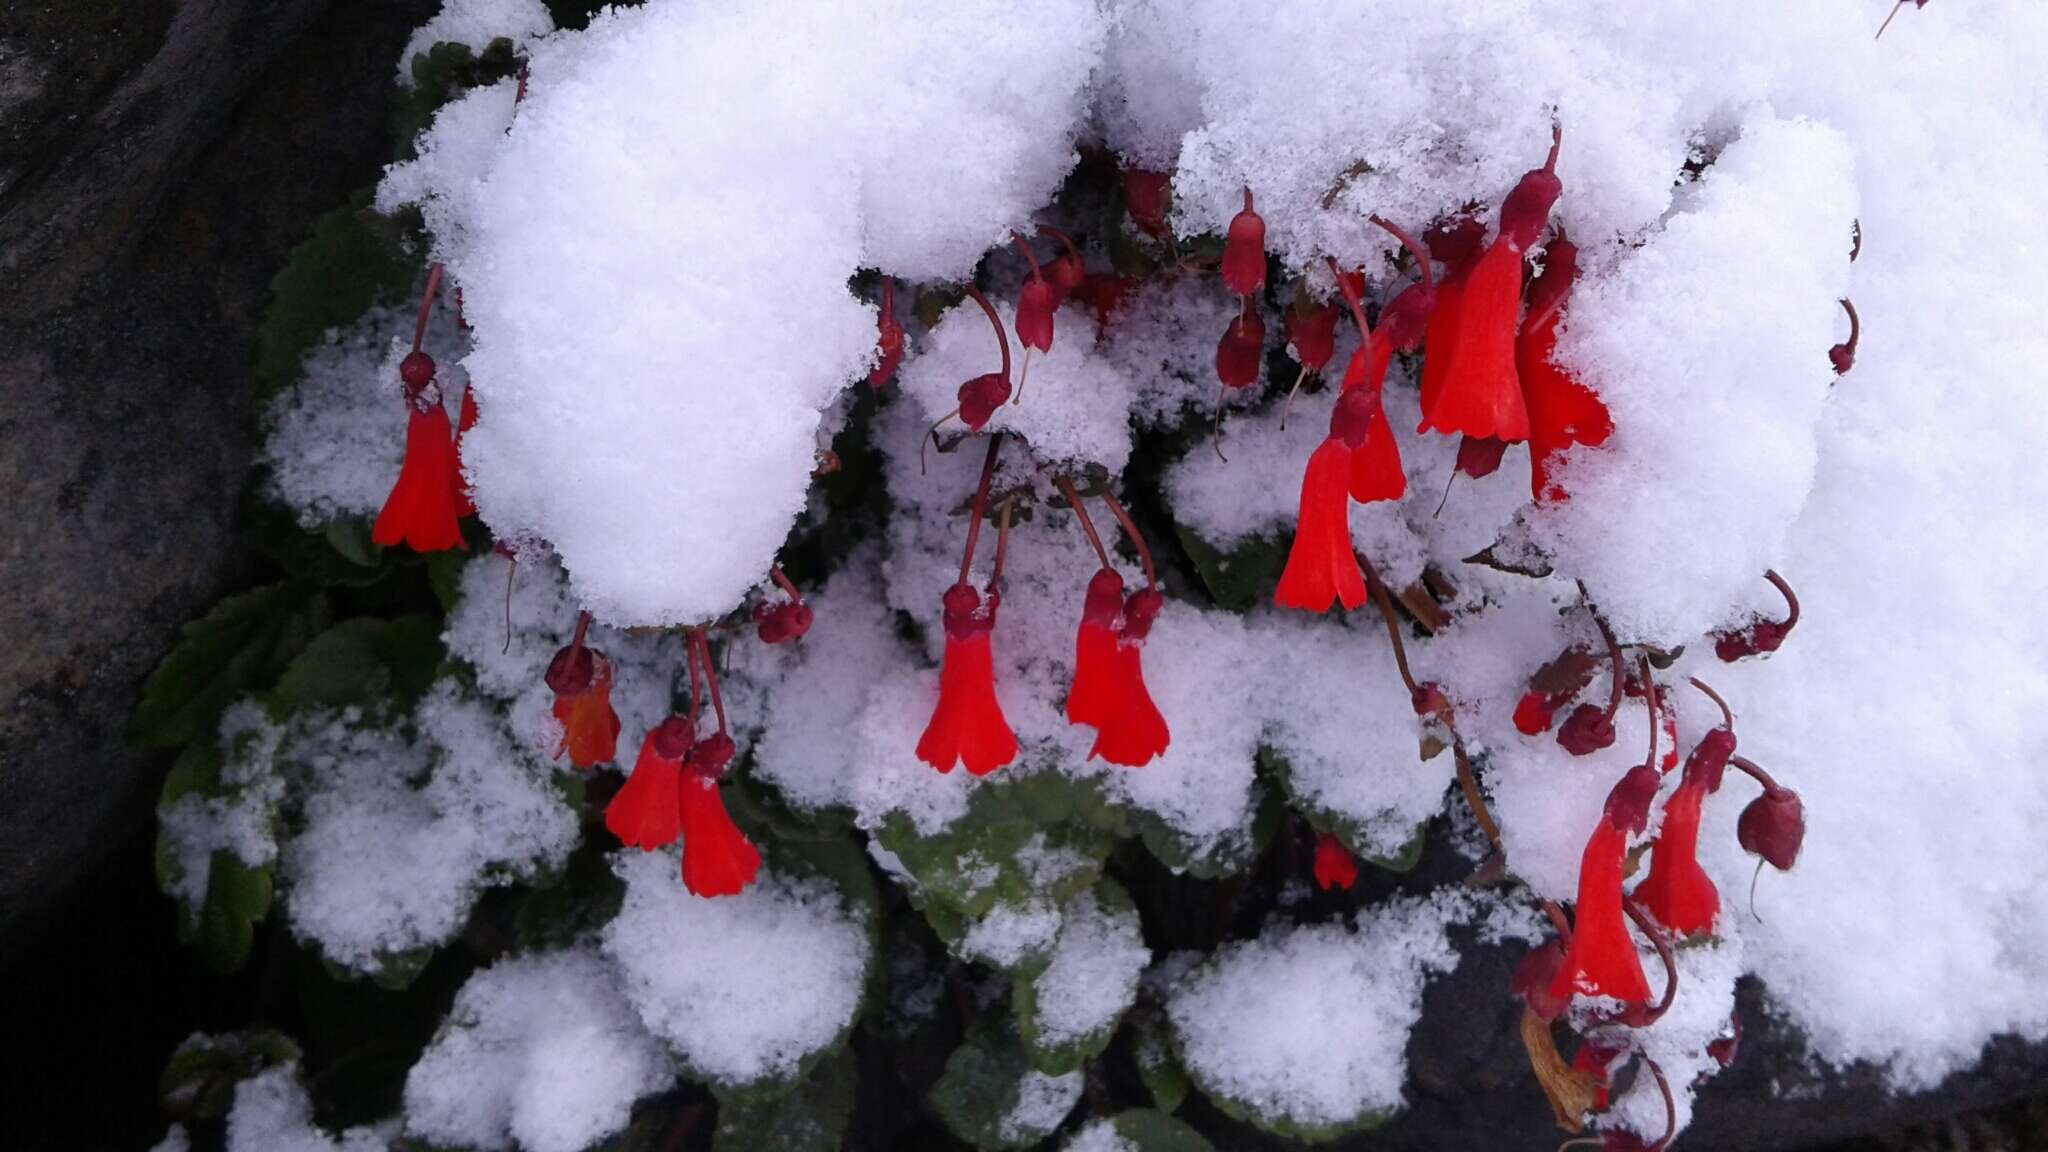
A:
(1556, 142)
(1386, 604)
(1029, 257)
(1061, 236)
(1758, 774)
(1614, 654)
(1131, 531)
(696, 685)
(782, 581)
(1888, 20)
(1248, 198)
(419, 329)
(582, 629)
(1855, 325)
(1351, 300)
(1066, 487)
(519, 95)
(1663, 946)
(988, 473)
(995, 323)
(1670, 1107)
(1791, 600)
(1469, 785)
(1408, 242)
(710, 676)
(888, 295)
(995, 577)
(1650, 699)
(1727, 716)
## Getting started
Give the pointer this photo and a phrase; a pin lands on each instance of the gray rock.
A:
(157, 160)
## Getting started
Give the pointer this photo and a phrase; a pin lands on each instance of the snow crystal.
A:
(541, 1051)
(655, 357)
(1150, 96)
(475, 23)
(1093, 974)
(243, 821)
(1708, 488)
(1701, 1014)
(1042, 1103)
(1011, 934)
(399, 838)
(742, 987)
(1099, 1136)
(272, 1113)
(1309, 1025)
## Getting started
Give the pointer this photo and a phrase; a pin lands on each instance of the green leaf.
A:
(1158, 1067)
(353, 260)
(237, 897)
(351, 538)
(1205, 861)
(306, 553)
(1058, 1058)
(1241, 578)
(360, 662)
(979, 1092)
(1362, 838)
(240, 646)
(812, 1118)
(1147, 1130)
(198, 1082)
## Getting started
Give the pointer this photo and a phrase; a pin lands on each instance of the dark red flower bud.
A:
(571, 671)
(1146, 199)
(1628, 804)
(1757, 639)
(1709, 758)
(1724, 1049)
(1242, 349)
(1351, 417)
(1429, 700)
(1479, 456)
(1035, 304)
(417, 370)
(1066, 274)
(1587, 730)
(1311, 335)
(1405, 319)
(1534, 713)
(783, 622)
(1535, 978)
(711, 755)
(673, 738)
(1843, 355)
(1244, 250)
(980, 397)
(1527, 208)
(1773, 827)
(1141, 609)
(1334, 867)
(888, 338)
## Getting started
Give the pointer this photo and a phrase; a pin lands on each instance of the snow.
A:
(176, 1140)
(1042, 1103)
(475, 23)
(272, 1113)
(541, 1052)
(1309, 1025)
(1009, 935)
(1093, 974)
(1099, 1136)
(398, 838)
(741, 987)
(242, 821)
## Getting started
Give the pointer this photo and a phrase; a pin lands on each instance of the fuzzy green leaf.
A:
(1057, 1058)
(198, 1082)
(1242, 577)
(240, 646)
(1158, 1067)
(362, 661)
(978, 1093)
(237, 897)
(354, 259)
(811, 1118)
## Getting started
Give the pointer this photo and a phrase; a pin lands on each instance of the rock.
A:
(157, 160)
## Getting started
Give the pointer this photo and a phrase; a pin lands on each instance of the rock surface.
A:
(158, 158)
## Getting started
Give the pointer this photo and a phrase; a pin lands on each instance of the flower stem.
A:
(710, 677)
(988, 473)
(1351, 300)
(1663, 945)
(1670, 1107)
(1469, 785)
(1727, 717)
(783, 582)
(1791, 600)
(995, 579)
(1131, 531)
(1066, 487)
(1756, 773)
(419, 328)
(1614, 655)
(1061, 236)
(1650, 699)
(1030, 257)
(1408, 242)
(1001, 338)
(1386, 604)
(696, 684)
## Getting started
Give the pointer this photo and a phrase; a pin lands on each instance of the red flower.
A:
(465, 504)
(1244, 250)
(1477, 392)
(967, 726)
(1602, 960)
(1241, 350)
(888, 337)
(1321, 567)
(1534, 713)
(646, 813)
(717, 860)
(1035, 304)
(1311, 335)
(1376, 472)
(1334, 866)
(1145, 198)
(1562, 411)
(1456, 243)
(1677, 892)
(1094, 696)
(1135, 732)
(422, 509)
(590, 729)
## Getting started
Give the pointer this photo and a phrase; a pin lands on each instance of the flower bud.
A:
(1773, 827)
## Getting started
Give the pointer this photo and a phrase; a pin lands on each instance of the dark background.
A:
(158, 158)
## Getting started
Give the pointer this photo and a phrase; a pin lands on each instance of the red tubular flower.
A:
(1094, 697)
(465, 503)
(1145, 198)
(1242, 349)
(1035, 303)
(1334, 866)
(646, 814)
(1068, 271)
(1562, 411)
(1135, 731)
(967, 726)
(590, 729)
(717, 859)
(1677, 892)
(1321, 566)
(1375, 472)
(425, 503)
(1244, 250)
(1478, 392)
(888, 337)
(1602, 960)
(1456, 243)
(1311, 335)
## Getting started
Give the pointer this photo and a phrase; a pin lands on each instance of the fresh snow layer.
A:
(273, 1113)
(540, 1052)
(1308, 1026)
(1093, 974)
(741, 987)
(655, 259)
